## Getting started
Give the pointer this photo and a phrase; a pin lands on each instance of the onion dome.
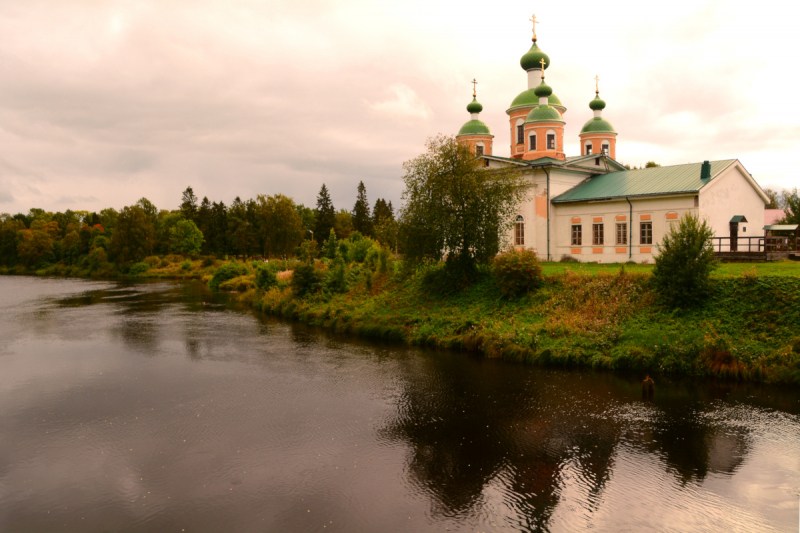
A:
(597, 104)
(544, 113)
(543, 90)
(598, 125)
(474, 127)
(474, 106)
(532, 59)
(529, 98)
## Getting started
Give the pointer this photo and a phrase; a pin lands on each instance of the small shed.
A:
(781, 237)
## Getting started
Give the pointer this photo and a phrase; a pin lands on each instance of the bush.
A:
(152, 260)
(137, 269)
(337, 277)
(226, 272)
(238, 284)
(682, 273)
(265, 277)
(359, 248)
(163, 264)
(208, 261)
(174, 258)
(306, 279)
(517, 272)
(186, 265)
(566, 258)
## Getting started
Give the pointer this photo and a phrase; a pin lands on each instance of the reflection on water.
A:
(157, 406)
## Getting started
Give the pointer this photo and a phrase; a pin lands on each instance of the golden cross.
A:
(534, 26)
(474, 83)
(541, 62)
(597, 84)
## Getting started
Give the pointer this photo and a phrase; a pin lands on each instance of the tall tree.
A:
(774, 199)
(325, 214)
(239, 231)
(133, 236)
(203, 222)
(455, 205)
(189, 204)
(343, 224)
(362, 222)
(186, 238)
(790, 200)
(382, 211)
(218, 236)
(281, 225)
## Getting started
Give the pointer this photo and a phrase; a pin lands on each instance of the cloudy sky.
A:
(103, 102)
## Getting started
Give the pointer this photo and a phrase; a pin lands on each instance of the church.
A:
(591, 207)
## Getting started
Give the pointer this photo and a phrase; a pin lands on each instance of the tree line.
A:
(266, 226)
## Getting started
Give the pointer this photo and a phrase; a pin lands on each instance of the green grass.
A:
(725, 270)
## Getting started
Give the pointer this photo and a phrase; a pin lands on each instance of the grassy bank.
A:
(585, 315)
(601, 316)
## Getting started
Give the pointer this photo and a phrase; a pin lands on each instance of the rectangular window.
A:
(605, 149)
(520, 134)
(519, 234)
(588, 149)
(576, 235)
(479, 151)
(597, 234)
(622, 233)
(533, 142)
(551, 141)
(646, 233)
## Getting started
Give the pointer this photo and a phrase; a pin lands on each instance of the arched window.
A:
(519, 231)
(588, 148)
(479, 149)
(606, 149)
(533, 143)
(551, 140)
(520, 131)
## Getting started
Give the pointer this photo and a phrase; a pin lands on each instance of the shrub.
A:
(568, 259)
(239, 284)
(226, 272)
(306, 279)
(337, 277)
(152, 260)
(208, 261)
(359, 248)
(265, 277)
(517, 272)
(186, 265)
(174, 258)
(163, 264)
(137, 269)
(682, 273)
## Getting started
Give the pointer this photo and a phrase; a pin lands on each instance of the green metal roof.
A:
(526, 98)
(474, 106)
(474, 127)
(643, 182)
(737, 219)
(532, 58)
(598, 125)
(544, 113)
(782, 227)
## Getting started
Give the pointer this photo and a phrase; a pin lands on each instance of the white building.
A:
(590, 206)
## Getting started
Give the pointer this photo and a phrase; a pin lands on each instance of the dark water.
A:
(159, 407)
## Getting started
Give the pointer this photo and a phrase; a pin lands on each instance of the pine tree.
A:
(361, 218)
(219, 229)
(382, 212)
(204, 223)
(189, 204)
(325, 214)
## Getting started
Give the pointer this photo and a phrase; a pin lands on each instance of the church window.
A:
(576, 235)
(519, 231)
(597, 234)
(551, 141)
(479, 150)
(622, 233)
(646, 233)
(597, 161)
(588, 148)
(533, 142)
(520, 134)
(605, 148)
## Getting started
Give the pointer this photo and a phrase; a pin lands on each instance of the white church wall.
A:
(660, 212)
(728, 195)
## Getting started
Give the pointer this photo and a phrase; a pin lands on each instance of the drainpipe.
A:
(548, 211)
(630, 229)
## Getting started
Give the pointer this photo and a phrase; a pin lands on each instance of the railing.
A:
(751, 245)
(781, 244)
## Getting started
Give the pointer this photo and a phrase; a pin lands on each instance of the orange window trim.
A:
(621, 217)
(672, 216)
(576, 220)
(597, 219)
(644, 250)
(597, 250)
(644, 217)
(575, 250)
(621, 250)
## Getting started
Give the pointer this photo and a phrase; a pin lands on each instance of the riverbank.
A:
(584, 315)
(601, 316)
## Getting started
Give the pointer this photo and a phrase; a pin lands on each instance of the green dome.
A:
(529, 98)
(531, 60)
(543, 90)
(598, 125)
(597, 104)
(474, 106)
(544, 113)
(474, 127)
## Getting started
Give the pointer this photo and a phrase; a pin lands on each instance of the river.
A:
(163, 407)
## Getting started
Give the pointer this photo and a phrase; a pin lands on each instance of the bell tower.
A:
(475, 133)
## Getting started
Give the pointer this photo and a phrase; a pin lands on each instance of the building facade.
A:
(590, 206)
